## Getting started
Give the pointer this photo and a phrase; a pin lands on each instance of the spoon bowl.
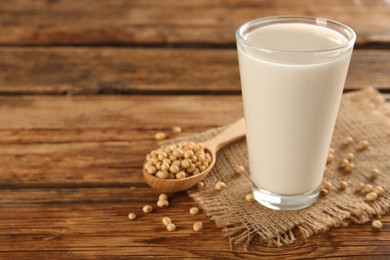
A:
(176, 185)
(232, 133)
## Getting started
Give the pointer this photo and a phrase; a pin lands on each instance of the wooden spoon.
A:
(234, 132)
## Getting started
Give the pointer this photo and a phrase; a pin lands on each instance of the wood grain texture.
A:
(66, 70)
(103, 137)
(99, 22)
(71, 160)
(95, 141)
(93, 223)
(68, 165)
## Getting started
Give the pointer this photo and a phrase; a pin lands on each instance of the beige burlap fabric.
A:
(363, 115)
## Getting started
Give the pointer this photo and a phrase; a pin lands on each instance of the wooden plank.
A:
(149, 70)
(141, 112)
(100, 22)
(95, 141)
(86, 141)
(93, 223)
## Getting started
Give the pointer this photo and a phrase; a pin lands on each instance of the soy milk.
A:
(291, 98)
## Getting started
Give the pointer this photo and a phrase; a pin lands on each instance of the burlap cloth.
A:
(363, 115)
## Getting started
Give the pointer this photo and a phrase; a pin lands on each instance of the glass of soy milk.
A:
(292, 71)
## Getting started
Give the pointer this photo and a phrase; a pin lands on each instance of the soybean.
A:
(249, 197)
(220, 185)
(343, 185)
(162, 203)
(198, 226)
(163, 196)
(344, 163)
(176, 129)
(327, 185)
(330, 158)
(166, 221)
(362, 145)
(147, 208)
(132, 216)
(374, 174)
(347, 141)
(377, 224)
(379, 190)
(367, 188)
(371, 196)
(200, 185)
(171, 227)
(160, 136)
(359, 187)
(194, 210)
(239, 170)
(349, 156)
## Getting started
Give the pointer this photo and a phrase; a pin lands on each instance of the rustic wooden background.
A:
(85, 84)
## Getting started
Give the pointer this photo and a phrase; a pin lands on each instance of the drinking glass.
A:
(292, 71)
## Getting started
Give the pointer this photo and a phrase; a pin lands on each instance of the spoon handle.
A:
(232, 133)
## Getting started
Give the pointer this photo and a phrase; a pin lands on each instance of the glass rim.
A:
(317, 21)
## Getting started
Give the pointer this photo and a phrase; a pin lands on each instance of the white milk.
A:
(291, 104)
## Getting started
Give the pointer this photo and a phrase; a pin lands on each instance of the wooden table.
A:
(84, 86)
